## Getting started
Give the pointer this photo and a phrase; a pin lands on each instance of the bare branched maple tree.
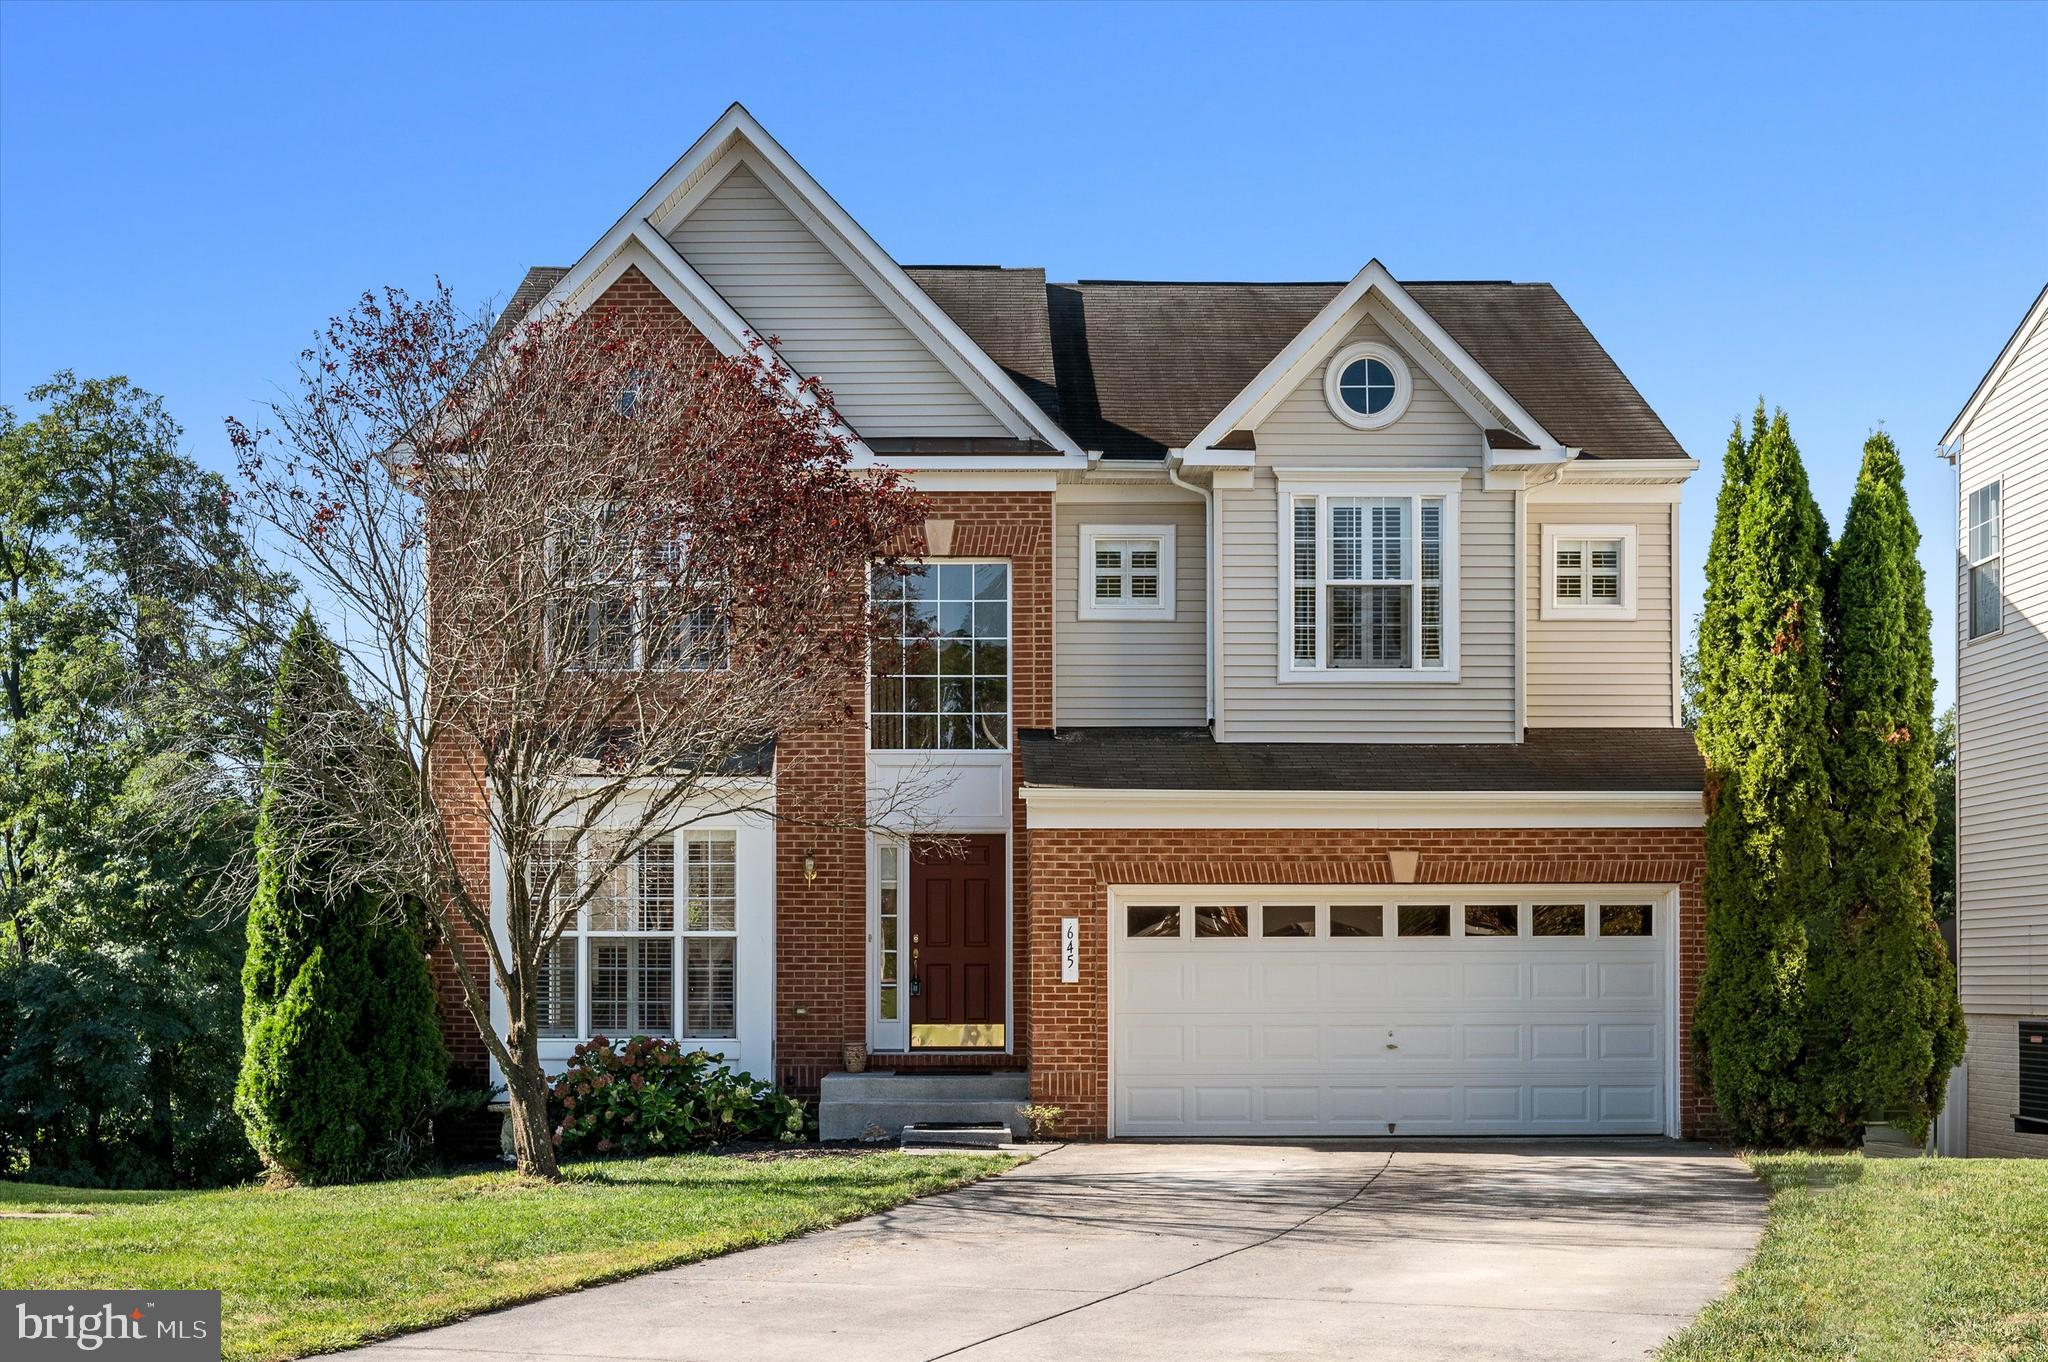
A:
(581, 573)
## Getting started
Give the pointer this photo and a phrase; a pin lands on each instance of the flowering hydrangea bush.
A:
(653, 1097)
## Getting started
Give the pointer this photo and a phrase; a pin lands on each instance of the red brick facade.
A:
(1072, 871)
(821, 925)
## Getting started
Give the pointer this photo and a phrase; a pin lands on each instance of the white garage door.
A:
(1507, 1012)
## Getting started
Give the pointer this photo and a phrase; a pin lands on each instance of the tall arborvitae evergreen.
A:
(1717, 621)
(1767, 841)
(343, 1056)
(1887, 1024)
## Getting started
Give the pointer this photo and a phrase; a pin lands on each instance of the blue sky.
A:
(1843, 209)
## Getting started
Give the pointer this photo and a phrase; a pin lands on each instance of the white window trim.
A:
(1624, 608)
(1971, 563)
(1404, 385)
(1092, 609)
(1414, 484)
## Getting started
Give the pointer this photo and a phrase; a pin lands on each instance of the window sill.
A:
(1134, 613)
(1367, 676)
(1619, 614)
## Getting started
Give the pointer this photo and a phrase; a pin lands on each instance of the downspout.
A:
(1209, 601)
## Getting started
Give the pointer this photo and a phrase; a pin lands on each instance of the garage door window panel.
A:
(1493, 919)
(1559, 919)
(1217, 921)
(1145, 920)
(1287, 920)
(1356, 919)
(1625, 919)
(1423, 919)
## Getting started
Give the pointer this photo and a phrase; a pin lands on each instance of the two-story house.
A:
(1999, 442)
(1306, 701)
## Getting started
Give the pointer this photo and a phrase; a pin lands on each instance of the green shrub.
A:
(342, 1061)
(652, 1097)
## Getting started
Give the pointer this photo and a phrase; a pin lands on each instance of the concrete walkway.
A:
(1411, 1250)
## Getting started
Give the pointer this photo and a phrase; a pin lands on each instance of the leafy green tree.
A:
(1763, 728)
(344, 1056)
(1888, 1026)
(1942, 871)
(118, 691)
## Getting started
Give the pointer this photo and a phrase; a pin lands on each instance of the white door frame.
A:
(872, 955)
(1663, 900)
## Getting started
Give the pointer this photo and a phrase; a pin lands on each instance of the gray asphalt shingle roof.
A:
(1582, 760)
(1135, 368)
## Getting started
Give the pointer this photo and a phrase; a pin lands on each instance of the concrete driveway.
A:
(1384, 1249)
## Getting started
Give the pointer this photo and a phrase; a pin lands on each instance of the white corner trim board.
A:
(1048, 806)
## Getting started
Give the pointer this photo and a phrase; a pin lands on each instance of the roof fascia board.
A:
(2036, 315)
(1066, 807)
(1327, 330)
(849, 242)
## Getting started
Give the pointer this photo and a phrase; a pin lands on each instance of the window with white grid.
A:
(624, 605)
(1126, 572)
(1983, 545)
(1369, 587)
(654, 949)
(710, 936)
(1589, 572)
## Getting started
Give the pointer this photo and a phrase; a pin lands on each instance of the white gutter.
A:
(1209, 601)
(1050, 806)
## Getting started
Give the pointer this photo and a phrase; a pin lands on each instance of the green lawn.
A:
(1881, 1259)
(312, 1269)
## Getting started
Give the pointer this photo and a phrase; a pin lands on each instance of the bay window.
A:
(1372, 582)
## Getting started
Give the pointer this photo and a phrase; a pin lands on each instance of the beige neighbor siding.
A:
(1129, 672)
(1591, 673)
(1301, 433)
(2002, 682)
(784, 281)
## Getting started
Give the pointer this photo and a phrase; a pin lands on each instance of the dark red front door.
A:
(958, 997)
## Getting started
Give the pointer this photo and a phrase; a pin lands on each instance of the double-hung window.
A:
(625, 602)
(1589, 572)
(1371, 581)
(1983, 541)
(654, 949)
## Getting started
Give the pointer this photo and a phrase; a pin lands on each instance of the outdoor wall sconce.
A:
(810, 868)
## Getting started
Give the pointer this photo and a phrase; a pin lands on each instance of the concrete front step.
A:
(993, 1136)
(880, 1105)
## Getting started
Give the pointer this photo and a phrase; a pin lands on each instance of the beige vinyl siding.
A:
(1434, 432)
(1591, 673)
(2002, 684)
(784, 282)
(1129, 672)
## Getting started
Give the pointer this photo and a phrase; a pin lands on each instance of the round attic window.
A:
(1367, 386)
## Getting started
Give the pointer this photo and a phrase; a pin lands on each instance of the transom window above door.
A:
(940, 675)
(1589, 572)
(1371, 582)
(1367, 385)
(1126, 572)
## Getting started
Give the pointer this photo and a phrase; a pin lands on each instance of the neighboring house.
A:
(1999, 444)
(1308, 701)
